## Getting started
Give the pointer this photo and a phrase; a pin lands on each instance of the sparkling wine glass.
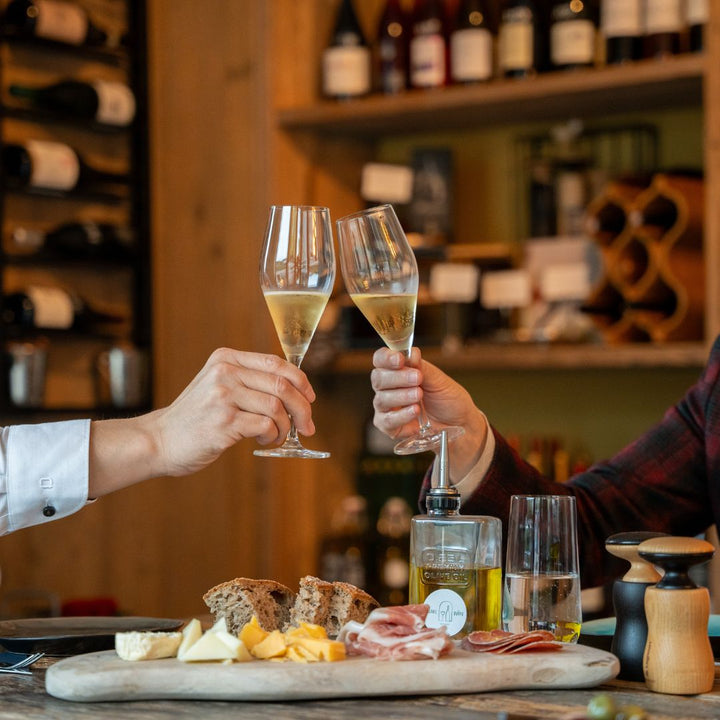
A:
(297, 272)
(381, 276)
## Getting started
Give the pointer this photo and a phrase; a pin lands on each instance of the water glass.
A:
(542, 581)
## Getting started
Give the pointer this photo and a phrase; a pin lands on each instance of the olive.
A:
(630, 712)
(601, 707)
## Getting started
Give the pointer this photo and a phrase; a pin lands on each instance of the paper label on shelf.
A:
(63, 21)
(572, 42)
(471, 54)
(52, 307)
(663, 16)
(382, 182)
(55, 166)
(505, 289)
(427, 61)
(454, 282)
(346, 70)
(622, 18)
(566, 282)
(116, 103)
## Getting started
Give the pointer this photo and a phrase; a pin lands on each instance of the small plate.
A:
(62, 636)
(599, 633)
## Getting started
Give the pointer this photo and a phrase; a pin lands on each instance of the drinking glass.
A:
(381, 277)
(297, 272)
(542, 582)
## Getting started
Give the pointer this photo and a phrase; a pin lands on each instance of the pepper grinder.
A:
(678, 658)
(628, 642)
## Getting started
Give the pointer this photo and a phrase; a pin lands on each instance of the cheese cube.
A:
(272, 646)
(147, 645)
(329, 650)
(252, 634)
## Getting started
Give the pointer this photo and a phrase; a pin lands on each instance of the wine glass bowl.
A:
(381, 277)
(297, 272)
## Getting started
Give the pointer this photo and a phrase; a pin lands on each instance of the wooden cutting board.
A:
(104, 676)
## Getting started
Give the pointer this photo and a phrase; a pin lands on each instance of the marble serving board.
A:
(104, 676)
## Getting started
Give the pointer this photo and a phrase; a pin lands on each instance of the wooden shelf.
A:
(493, 356)
(645, 85)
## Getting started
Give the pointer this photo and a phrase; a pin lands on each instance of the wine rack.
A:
(651, 239)
(119, 285)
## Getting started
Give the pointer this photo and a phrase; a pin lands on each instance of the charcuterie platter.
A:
(103, 676)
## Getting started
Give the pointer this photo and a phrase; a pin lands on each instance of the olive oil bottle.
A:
(455, 565)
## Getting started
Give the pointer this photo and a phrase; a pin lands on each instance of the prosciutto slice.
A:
(396, 633)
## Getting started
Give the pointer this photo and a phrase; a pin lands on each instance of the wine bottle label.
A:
(53, 307)
(116, 103)
(663, 16)
(572, 42)
(346, 70)
(515, 46)
(427, 61)
(55, 166)
(697, 12)
(622, 18)
(62, 21)
(471, 54)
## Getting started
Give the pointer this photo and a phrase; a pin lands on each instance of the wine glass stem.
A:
(423, 420)
(292, 436)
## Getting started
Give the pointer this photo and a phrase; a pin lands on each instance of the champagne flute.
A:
(381, 276)
(297, 272)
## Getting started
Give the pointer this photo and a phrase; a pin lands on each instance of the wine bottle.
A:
(573, 28)
(346, 59)
(112, 103)
(50, 165)
(623, 27)
(663, 27)
(391, 49)
(697, 13)
(85, 240)
(428, 45)
(58, 20)
(471, 43)
(519, 39)
(52, 308)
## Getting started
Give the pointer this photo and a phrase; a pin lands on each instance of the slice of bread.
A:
(348, 603)
(312, 603)
(239, 599)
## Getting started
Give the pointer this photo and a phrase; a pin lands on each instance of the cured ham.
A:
(396, 633)
(502, 641)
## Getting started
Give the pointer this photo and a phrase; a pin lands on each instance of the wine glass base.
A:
(292, 452)
(429, 442)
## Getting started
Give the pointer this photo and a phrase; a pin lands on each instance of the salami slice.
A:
(503, 641)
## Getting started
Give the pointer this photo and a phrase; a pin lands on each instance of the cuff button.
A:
(48, 511)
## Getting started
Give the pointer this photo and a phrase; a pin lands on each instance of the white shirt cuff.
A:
(45, 476)
(473, 479)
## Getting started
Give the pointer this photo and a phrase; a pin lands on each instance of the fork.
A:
(20, 667)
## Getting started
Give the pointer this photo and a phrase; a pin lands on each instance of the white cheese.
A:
(191, 634)
(216, 645)
(147, 645)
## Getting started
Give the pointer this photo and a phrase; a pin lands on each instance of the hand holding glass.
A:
(542, 582)
(297, 272)
(381, 277)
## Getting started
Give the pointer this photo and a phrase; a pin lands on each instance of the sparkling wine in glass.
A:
(381, 277)
(297, 272)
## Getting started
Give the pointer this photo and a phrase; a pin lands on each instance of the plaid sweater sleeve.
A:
(666, 480)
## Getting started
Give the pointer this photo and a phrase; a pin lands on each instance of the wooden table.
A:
(24, 698)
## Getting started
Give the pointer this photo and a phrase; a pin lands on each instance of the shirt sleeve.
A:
(43, 472)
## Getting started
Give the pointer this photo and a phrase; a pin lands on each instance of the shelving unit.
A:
(329, 141)
(122, 285)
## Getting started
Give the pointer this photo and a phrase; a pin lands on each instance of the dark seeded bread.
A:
(239, 599)
(348, 603)
(312, 603)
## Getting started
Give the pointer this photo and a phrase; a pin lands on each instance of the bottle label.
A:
(664, 16)
(446, 608)
(62, 21)
(697, 12)
(427, 61)
(471, 54)
(622, 18)
(52, 306)
(55, 166)
(116, 103)
(346, 71)
(515, 46)
(572, 42)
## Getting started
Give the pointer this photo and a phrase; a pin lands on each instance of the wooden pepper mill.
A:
(628, 642)
(678, 658)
